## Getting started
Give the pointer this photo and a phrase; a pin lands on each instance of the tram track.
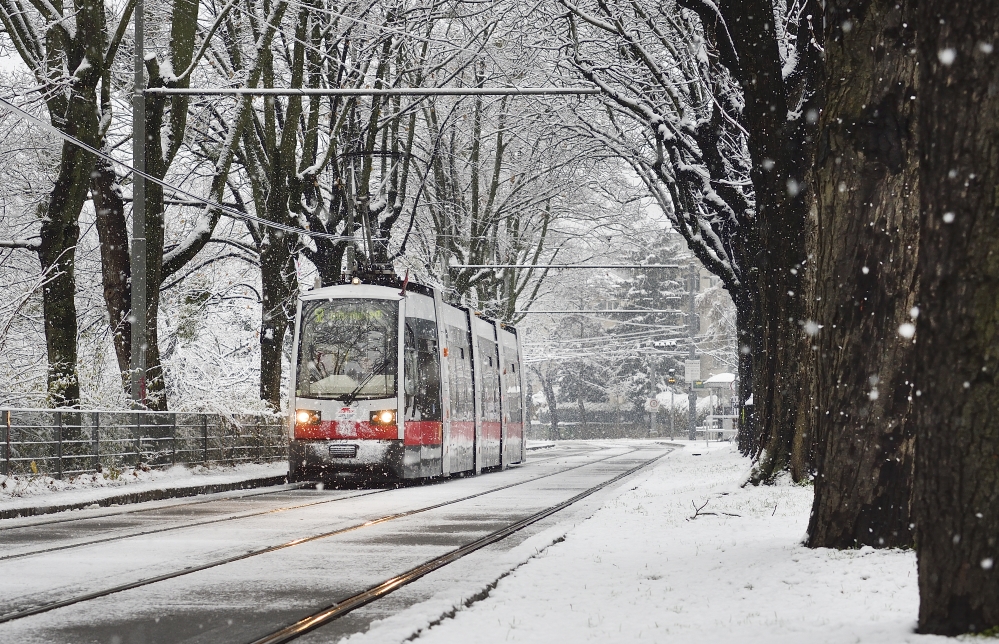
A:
(124, 510)
(374, 593)
(194, 524)
(43, 608)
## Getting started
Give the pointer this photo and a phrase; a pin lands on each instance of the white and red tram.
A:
(460, 407)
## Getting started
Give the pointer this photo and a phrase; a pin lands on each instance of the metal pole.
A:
(173, 438)
(691, 323)
(671, 419)
(138, 440)
(204, 435)
(58, 419)
(692, 414)
(692, 317)
(96, 417)
(655, 392)
(7, 459)
(138, 256)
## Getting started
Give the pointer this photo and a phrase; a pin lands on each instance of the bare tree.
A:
(722, 94)
(68, 51)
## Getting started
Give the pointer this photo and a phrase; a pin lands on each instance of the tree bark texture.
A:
(279, 287)
(59, 233)
(779, 148)
(957, 338)
(112, 231)
(864, 262)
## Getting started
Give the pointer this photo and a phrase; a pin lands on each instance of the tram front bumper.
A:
(328, 458)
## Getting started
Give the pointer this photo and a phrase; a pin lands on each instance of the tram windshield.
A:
(348, 349)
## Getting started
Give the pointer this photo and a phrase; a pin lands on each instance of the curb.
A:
(148, 495)
(535, 448)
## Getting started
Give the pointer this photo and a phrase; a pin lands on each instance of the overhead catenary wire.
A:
(214, 205)
(565, 266)
(353, 91)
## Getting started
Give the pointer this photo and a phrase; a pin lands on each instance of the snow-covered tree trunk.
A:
(68, 62)
(864, 261)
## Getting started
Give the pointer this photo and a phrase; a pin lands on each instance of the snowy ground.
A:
(641, 568)
(18, 492)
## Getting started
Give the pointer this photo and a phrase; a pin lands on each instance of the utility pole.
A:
(655, 391)
(137, 262)
(691, 322)
(671, 420)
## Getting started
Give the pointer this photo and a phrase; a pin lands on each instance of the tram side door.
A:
(512, 398)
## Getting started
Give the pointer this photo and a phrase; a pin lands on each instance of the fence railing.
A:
(67, 442)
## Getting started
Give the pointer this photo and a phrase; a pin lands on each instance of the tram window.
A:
(460, 374)
(490, 380)
(348, 349)
(423, 371)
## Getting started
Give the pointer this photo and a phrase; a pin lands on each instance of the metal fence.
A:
(67, 442)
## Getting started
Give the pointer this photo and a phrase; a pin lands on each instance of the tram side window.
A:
(490, 379)
(423, 371)
(513, 393)
(512, 380)
(460, 373)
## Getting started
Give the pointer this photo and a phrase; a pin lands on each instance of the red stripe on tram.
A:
(424, 432)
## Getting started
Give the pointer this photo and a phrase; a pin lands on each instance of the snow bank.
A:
(18, 492)
(644, 568)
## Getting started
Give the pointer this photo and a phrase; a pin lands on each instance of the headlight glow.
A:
(307, 417)
(383, 417)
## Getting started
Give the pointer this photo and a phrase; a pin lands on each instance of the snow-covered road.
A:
(42, 562)
(629, 563)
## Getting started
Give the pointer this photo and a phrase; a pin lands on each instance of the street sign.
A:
(692, 370)
(652, 406)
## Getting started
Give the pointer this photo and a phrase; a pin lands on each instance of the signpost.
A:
(692, 369)
(652, 406)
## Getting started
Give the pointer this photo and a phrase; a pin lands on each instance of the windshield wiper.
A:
(352, 396)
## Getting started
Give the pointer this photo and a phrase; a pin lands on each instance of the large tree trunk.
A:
(157, 164)
(112, 231)
(779, 150)
(59, 232)
(956, 357)
(864, 263)
(743, 323)
(279, 286)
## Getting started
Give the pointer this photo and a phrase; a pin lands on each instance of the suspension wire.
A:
(213, 205)
(351, 91)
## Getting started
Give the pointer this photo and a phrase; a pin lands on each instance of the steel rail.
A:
(374, 593)
(195, 524)
(44, 608)
(126, 510)
(182, 526)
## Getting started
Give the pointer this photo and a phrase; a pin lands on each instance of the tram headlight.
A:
(383, 417)
(307, 417)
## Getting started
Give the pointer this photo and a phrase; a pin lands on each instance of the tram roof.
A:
(383, 292)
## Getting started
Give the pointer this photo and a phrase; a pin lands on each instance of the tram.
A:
(389, 381)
